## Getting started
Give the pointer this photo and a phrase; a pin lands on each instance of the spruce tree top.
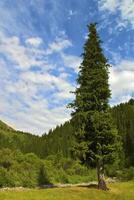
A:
(93, 91)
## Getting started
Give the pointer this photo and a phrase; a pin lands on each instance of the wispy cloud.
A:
(23, 57)
(124, 7)
(39, 56)
(36, 97)
(122, 81)
(71, 61)
(58, 45)
(34, 41)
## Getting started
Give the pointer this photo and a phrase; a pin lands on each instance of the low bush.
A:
(27, 170)
(126, 174)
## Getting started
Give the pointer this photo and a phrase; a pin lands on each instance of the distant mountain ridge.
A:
(3, 125)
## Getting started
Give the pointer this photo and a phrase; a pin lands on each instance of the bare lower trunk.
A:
(101, 178)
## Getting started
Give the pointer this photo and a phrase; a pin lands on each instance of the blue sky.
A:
(40, 46)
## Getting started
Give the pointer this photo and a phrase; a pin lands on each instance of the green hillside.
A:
(61, 138)
(123, 115)
(12, 139)
(57, 141)
(28, 160)
(4, 126)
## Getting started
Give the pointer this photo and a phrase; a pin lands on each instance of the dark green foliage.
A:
(125, 174)
(57, 141)
(27, 170)
(123, 115)
(66, 170)
(17, 169)
(9, 138)
(96, 135)
(57, 168)
(43, 176)
(5, 178)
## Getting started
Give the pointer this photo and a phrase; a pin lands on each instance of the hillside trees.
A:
(123, 115)
(96, 136)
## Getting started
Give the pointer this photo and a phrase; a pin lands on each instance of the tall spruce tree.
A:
(96, 135)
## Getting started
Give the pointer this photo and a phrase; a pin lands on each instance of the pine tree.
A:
(96, 136)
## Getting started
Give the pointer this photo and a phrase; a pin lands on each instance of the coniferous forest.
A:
(28, 160)
(96, 135)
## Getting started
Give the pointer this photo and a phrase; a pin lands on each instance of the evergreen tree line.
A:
(56, 141)
(61, 139)
(30, 161)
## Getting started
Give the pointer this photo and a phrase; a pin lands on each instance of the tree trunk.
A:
(101, 178)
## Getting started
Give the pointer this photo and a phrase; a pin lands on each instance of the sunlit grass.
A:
(118, 191)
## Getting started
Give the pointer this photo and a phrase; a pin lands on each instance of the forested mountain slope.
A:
(61, 138)
(10, 138)
(123, 115)
(4, 126)
(57, 141)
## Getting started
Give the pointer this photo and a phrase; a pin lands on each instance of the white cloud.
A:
(127, 11)
(110, 5)
(125, 8)
(34, 41)
(22, 57)
(4, 73)
(127, 65)
(22, 107)
(37, 118)
(31, 100)
(25, 103)
(59, 45)
(35, 101)
(122, 81)
(58, 86)
(71, 61)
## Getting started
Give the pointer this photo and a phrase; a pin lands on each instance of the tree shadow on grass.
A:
(92, 186)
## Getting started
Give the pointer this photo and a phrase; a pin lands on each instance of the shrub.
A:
(61, 176)
(126, 174)
(5, 179)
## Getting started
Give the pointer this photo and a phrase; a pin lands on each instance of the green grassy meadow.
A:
(118, 191)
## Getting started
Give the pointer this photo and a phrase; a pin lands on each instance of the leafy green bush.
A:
(43, 178)
(61, 176)
(126, 174)
(27, 170)
(17, 169)
(5, 178)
